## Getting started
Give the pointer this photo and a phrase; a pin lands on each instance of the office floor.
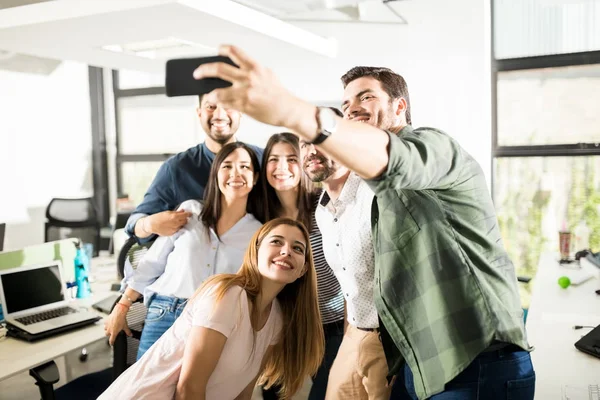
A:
(22, 387)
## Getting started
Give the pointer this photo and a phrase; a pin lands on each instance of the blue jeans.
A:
(495, 375)
(334, 333)
(162, 313)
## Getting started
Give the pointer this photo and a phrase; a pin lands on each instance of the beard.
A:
(327, 169)
(220, 136)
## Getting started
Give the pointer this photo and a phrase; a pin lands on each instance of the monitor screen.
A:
(32, 288)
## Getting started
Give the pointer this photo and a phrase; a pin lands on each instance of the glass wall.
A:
(546, 142)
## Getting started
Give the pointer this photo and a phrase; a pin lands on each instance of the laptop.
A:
(590, 343)
(35, 303)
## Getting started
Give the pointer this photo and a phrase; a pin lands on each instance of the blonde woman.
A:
(259, 325)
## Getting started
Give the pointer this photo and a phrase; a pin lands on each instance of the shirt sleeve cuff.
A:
(130, 228)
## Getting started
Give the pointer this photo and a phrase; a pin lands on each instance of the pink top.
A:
(155, 375)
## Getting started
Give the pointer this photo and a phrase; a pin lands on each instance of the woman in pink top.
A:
(261, 324)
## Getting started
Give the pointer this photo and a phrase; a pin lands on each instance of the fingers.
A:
(220, 70)
(237, 56)
(127, 331)
(183, 212)
(229, 97)
(111, 339)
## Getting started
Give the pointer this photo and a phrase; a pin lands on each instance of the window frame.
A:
(123, 157)
(537, 62)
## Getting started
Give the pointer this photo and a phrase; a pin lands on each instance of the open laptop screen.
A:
(31, 288)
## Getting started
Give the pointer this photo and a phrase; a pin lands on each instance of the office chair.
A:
(125, 349)
(130, 255)
(73, 218)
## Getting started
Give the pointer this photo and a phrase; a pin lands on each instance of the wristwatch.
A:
(326, 124)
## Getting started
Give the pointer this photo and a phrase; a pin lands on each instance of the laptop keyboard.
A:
(46, 315)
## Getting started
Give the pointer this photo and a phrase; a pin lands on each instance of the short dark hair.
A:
(211, 212)
(393, 83)
(200, 96)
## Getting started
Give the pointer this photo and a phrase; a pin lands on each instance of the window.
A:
(151, 127)
(546, 139)
(157, 124)
(549, 106)
(137, 177)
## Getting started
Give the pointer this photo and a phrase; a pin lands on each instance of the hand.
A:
(115, 323)
(166, 223)
(255, 90)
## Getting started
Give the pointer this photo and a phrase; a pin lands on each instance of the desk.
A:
(17, 356)
(552, 314)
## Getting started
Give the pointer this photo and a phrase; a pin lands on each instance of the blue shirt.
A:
(182, 177)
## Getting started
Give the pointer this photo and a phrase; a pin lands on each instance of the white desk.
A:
(17, 356)
(552, 314)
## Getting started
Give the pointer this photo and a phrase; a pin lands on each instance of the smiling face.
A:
(315, 164)
(282, 254)
(219, 123)
(236, 175)
(282, 169)
(366, 101)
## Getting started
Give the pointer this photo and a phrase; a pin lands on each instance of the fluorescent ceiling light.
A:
(265, 24)
(169, 47)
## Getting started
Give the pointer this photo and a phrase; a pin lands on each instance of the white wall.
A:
(45, 146)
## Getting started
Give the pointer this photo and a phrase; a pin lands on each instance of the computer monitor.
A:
(2, 230)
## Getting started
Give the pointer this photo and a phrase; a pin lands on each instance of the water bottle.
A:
(82, 272)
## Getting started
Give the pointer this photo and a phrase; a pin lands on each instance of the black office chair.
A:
(73, 218)
(125, 349)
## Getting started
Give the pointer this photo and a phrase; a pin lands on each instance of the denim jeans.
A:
(162, 313)
(494, 375)
(334, 333)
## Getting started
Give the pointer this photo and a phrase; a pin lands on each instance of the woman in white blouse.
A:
(212, 242)
(261, 324)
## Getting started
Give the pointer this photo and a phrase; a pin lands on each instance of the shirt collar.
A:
(406, 130)
(348, 192)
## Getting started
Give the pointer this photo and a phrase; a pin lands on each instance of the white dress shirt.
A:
(177, 265)
(348, 247)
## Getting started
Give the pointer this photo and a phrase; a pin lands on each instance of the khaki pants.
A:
(359, 370)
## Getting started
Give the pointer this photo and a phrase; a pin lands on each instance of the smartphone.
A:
(180, 80)
(107, 304)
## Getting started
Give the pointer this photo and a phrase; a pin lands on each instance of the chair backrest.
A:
(72, 211)
(125, 350)
(73, 218)
(130, 255)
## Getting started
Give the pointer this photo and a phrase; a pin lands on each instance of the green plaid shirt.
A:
(445, 289)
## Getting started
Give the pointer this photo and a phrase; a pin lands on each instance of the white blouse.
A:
(177, 265)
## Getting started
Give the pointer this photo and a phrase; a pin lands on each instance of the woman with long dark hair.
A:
(213, 241)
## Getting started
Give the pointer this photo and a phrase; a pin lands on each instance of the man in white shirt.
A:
(344, 218)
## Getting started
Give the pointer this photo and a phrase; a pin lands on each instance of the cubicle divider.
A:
(63, 250)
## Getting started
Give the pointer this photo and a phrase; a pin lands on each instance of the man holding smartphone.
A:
(446, 293)
(185, 175)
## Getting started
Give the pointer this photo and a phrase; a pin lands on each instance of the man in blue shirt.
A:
(185, 175)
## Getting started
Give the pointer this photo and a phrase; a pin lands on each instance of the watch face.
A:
(328, 121)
